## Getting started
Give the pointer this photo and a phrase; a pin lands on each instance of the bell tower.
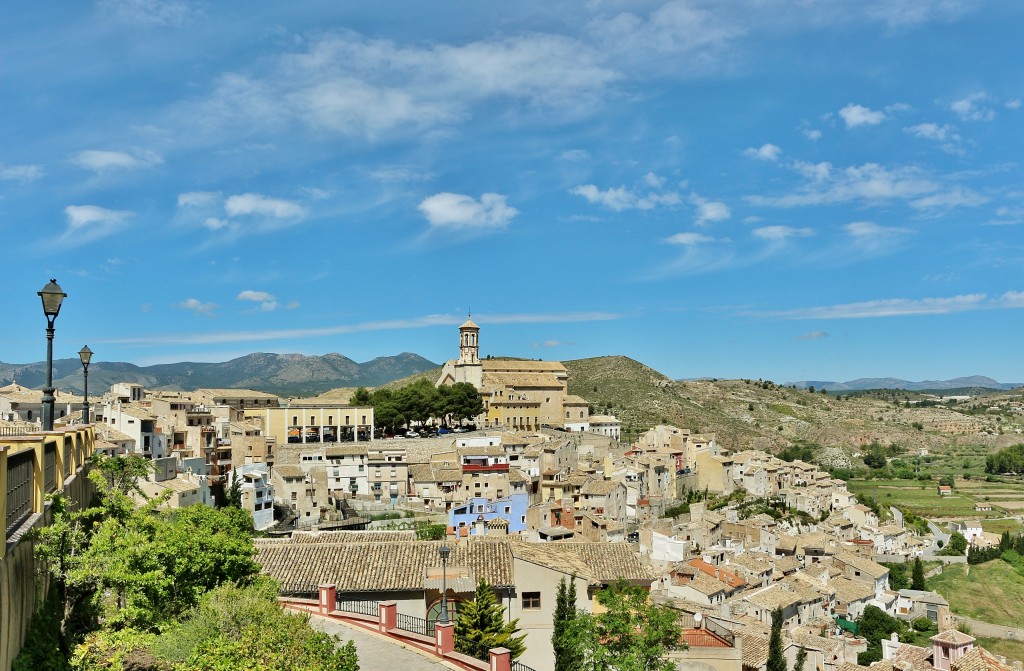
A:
(469, 344)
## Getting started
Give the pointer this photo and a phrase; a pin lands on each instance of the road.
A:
(937, 535)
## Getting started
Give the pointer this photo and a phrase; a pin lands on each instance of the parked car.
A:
(411, 434)
(460, 429)
(442, 431)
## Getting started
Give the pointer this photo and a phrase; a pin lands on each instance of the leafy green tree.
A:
(801, 656)
(480, 625)
(956, 546)
(361, 397)
(567, 657)
(233, 498)
(776, 657)
(917, 578)
(460, 401)
(122, 473)
(874, 625)
(947, 481)
(632, 634)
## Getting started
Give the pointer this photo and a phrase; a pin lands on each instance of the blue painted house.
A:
(511, 509)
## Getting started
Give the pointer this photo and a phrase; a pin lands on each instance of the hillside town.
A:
(533, 492)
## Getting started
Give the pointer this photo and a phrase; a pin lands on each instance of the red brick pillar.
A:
(444, 638)
(387, 615)
(500, 659)
(328, 598)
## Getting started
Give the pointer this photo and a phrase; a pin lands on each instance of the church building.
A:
(518, 394)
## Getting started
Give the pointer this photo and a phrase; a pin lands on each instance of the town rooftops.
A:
(352, 536)
(288, 471)
(980, 659)
(237, 393)
(861, 564)
(598, 563)
(952, 637)
(515, 366)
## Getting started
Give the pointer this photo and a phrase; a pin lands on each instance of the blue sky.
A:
(745, 188)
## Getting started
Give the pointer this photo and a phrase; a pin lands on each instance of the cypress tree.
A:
(801, 657)
(567, 656)
(917, 578)
(480, 625)
(776, 658)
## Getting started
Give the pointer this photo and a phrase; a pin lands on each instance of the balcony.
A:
(485, 468)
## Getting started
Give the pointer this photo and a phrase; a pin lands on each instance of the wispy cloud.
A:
(688, 239)
(812, 134)
(86, 223)
(947, 137)
(195, 305)
(170, 13)
(622, 198)
(199, 199)
(868, 237)
(873, 184)
(902, 13)
(902, 307)
(766, 152)
(245, 213)
(782, 232)
(975, 107)
(256, 204)
(266, 301)
(552, 343)
(425, 321)
(102, 161)
(20, 173)
(813, 335)
(456, 211)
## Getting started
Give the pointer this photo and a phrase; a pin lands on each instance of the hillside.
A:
(752, 413)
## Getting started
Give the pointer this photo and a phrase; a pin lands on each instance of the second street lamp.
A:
(52, 296)
(444, 551)
(85, 354)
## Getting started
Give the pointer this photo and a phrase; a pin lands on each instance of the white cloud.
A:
(621, 198)
(552, 343)
(90, 222)
(782, 232)
(688, 239)
(401, 173)
(871, 239)
(1012, 104)
(902, 13)
(315, 193)
(102, 161)
(766, 152)
(152, 12)
(868, 229)
(197, 306)
(709, 210)
(974, 108)
(215, 224)
(812, 134)
(460, 212)
(654, 181)
(858, 115)
(426, 321)
(20, 173)
(900, 307)
(873, 184)
(199, 199)
(263, 206)
(267, 301)
(813, 335)
(575, 155)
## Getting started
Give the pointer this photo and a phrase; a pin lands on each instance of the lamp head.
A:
(52, 296)
(85, 354)
(444, 551)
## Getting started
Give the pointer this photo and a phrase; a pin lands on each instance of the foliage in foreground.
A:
(631, 635)
(231, 628)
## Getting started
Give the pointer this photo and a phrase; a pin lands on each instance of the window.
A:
(330, 419)
(295, 420)
(531, 600)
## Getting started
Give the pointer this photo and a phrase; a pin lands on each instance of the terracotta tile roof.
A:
(235, 393)
(345, 451)
(599, 487)
(352, 536)
(599, 563)
(377, 567)
(755, 650)
(980, 659)
(862, 564)
(953, 637)
(490, 365)
(289, 471)
(707, 585)
(718, 573)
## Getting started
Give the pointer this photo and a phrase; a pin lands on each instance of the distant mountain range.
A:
(861, 384)
(283, 374)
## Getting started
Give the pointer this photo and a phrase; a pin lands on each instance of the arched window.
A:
(567, 414)
(30, 415)
(581, 414)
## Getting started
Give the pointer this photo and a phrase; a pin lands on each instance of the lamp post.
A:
(52, 296)
(85, 354)
(444, 551)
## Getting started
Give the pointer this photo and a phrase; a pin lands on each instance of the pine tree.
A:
(480, 625)
(801, 657)
(776, 658)
(917, 579)
(567, 657)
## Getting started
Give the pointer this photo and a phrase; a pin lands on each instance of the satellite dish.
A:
(697, 617)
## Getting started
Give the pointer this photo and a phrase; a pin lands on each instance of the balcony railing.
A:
(19, 488)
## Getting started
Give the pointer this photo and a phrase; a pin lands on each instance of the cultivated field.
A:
(991, 592)
(922, 498)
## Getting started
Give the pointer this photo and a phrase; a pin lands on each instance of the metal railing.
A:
(361, 607)
(19, 488)
(50, 468)
(519, 666)
(416, 625)
(67, 459)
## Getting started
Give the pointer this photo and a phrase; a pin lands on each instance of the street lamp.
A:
(52, 296)
(444, 551)
(85, 354)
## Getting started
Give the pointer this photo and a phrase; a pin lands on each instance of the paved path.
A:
(377, 652)
(989, 630)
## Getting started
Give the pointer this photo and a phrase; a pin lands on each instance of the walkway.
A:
(989, 630)
(377, 652)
